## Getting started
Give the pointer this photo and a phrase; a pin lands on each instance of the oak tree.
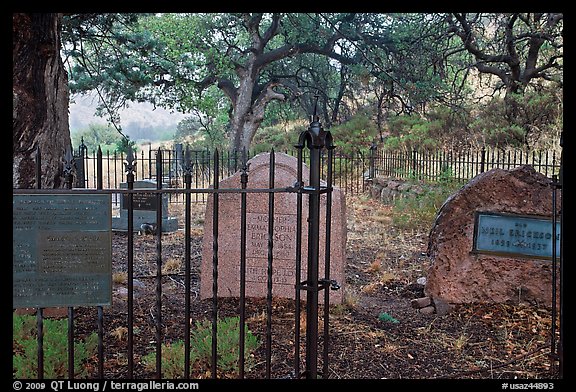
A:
(39, 100)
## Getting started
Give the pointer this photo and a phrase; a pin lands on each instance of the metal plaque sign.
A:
(62, 249)
(141, 201)
(515, 235)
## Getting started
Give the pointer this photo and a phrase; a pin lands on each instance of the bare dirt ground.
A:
(374, 334)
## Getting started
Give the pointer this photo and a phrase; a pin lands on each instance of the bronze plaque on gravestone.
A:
(141, 201)
(62, 250)
(518, 235)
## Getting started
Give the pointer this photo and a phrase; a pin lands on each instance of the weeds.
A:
(227, 338)
(420, 211)
(55, 345)
(387, 318)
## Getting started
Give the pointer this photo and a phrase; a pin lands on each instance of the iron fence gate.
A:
(316, 140)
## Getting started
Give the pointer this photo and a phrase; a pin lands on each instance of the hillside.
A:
(139, 121)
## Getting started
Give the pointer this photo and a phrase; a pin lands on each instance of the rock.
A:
(428, 310)
(375, 191)
(419, 303)
(458, 275)
(394, 184)
(138, 284)
(405, 187)
(442, 307)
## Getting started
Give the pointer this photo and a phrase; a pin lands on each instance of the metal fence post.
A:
(99, 174)
(372, 158)
(129, 167)
(414, 162)
(243, 232)
(187, 171)
(39, 311)
(38, 168)
(68, 169)
(159, 198)
(316, 137)
(561, 342)
(80, 164)
(555, 186)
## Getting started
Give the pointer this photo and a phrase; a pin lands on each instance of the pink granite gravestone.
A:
(459, 274)
(284, 249)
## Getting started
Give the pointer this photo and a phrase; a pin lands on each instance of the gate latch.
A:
(334, 285)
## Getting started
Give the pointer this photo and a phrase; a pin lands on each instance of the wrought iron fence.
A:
(323, 163)
(457, 165)
(348, 170)
(316, 140)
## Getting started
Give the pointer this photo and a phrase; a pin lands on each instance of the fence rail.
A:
(349, 170)
(460, 165)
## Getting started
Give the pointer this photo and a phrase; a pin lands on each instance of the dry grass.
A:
(374, 267)
(371, 288)
(119, 277)
(387, 276)
(171, 266)
(486, 340)
(119, 333)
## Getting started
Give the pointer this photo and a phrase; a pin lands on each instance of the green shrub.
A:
(55, 345)
(387, 318)
(201, 349)
(357, 133)
(172, 359)
(420, 211)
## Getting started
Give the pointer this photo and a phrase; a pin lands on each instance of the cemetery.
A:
(323, 213)
(402, 301)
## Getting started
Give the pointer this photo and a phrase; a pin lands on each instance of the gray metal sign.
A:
(62, 249)
(515, 235)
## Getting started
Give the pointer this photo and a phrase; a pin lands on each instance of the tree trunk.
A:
(248, 114)
(39, 100)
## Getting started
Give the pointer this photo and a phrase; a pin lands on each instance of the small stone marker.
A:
(144, 205)
(284, 249)
(492, 241)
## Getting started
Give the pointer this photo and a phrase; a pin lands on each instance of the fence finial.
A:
(316, 131)
(130, 164)
(68, 167)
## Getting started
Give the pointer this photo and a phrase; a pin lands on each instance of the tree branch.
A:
(468, 39)
(229, 89)
(272, 29)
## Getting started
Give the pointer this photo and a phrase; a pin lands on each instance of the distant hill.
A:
(140, 121)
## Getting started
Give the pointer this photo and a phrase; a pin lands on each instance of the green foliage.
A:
(191, 63)
(282, 137)
(187, 130)
(420, 211)
(55, 344)
(123, 143)
(227, 340)
(414, 132)
(201, 349)
(357, 133)
(533, 119)
(172, 359)
(97, 135)
(387, 318)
